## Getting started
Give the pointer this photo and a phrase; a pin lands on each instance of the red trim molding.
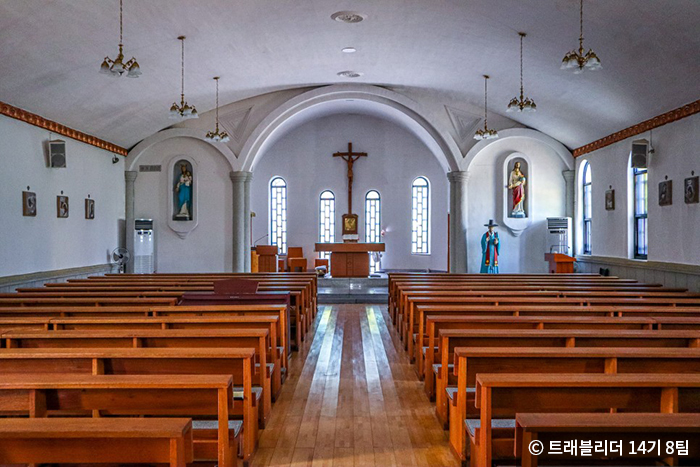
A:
(36, 120)
(672, 116)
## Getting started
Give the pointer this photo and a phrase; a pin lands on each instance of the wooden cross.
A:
(350, 157)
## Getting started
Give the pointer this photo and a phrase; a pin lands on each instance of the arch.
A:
(563, 153)
(137, 151)
(391, 105)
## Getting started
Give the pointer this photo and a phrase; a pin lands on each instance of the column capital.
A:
(130, 175)
(458, 176)
(568, 175)
(241, 176)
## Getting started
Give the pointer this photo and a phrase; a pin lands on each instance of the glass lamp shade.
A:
(174, 111)
(225, 138)
(118, 67)
(193, 113)
(491, 134)
(513, 105)
(186, 110)
(529, 105)
(134, 70)
(592, 61)
(104, 68)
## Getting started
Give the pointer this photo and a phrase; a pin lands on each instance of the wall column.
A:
(569, 177)
(458, 221)
(241, 220)
(129, 211)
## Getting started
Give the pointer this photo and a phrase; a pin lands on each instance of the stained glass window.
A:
(278, 214)
(587, 210)
(373, 222)
(326, 220)
(640, 213)
(420, 216)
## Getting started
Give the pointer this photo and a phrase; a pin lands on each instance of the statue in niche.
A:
(490, 248)
(516, 183)
(183, 190)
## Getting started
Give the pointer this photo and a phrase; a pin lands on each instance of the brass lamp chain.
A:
(182, 73)
(521, 66)
(486, 95)
(121, 22)
(580, 39)
(217, 104)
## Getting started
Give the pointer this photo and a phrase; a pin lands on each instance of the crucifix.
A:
(350, 157)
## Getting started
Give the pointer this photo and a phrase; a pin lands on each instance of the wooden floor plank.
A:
(352, 399)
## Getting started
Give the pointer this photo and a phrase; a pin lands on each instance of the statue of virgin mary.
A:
(183, 188)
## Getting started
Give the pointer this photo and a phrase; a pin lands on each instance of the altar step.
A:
(353, 290)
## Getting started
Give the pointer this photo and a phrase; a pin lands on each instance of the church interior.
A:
(324, 233)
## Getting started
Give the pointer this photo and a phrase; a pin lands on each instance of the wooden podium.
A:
(349, 259)
(560, 263)
(267, 258)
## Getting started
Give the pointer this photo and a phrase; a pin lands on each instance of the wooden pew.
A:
(24, 323)
(514, 338)
(599, 428)
(100, 440)
(504, 395)
(270, 322)
(256, 339)
(96, 301)
(435, 322)
(148, 361)
(194, 396)
(470, 362)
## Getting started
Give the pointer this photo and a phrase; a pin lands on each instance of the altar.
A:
(349, 259)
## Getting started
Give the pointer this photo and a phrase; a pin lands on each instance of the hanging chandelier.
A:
(117, 67)
(183, 110)
(522, 104)
(486, 133)
(578, 61)
(217, 136)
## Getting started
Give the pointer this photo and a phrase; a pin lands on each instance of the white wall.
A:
(547, 189)
(45, 242)
(208, 247)
(303, 157)
(673, 230)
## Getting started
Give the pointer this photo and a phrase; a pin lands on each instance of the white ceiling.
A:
(50, 52)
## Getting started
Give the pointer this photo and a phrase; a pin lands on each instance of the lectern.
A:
(267, 258)
(560, 263)
(349, 259)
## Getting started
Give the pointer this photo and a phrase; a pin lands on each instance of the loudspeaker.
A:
(57, 153)
(640, 154)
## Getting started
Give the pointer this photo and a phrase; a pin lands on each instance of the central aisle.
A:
(353, 399)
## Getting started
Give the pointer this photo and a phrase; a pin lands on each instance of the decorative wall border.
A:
(668, 117)
(37, 120)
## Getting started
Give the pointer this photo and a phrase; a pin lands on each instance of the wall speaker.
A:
(640, 154)
(57, 153)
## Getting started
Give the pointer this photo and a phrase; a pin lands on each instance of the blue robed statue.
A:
(490, 247)
(183, 188)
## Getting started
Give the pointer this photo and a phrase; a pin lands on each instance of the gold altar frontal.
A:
(349, 259)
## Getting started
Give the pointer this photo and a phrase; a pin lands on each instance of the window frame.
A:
(587, 207)
(326, 221)
(638, 216)
(274, 218)
(422, 190)
(373, 232)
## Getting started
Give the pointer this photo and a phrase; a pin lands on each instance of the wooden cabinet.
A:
(349, 259)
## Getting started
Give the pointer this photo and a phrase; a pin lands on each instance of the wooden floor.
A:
(353, 400)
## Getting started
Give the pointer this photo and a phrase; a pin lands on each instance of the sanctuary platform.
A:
(353, 290)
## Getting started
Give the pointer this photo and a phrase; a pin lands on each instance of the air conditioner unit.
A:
(57, 153)
(559, 235)
(639, 155)
(144, 247)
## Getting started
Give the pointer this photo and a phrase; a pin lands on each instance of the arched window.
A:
(278, 214)
(640, 212)
(373, 222)
(587, 210)
(326, 220)
(420, 216)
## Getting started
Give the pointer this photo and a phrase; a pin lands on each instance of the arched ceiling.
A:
(50, 51)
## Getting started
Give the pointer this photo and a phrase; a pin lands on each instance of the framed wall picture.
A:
(89, 208)
(690, 189)
(666, 193)
(28, 204)
(610, 200)
(62, 206)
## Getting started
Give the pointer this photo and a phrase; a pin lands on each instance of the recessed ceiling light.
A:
(349, 74)
(348, 17)
(349, 50)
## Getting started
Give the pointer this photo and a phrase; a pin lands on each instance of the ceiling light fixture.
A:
(576, 60)
(350, 17)
(486, 133)
(217, 136)
(117, 67)
(349, 74)
(183, 110)
(349, 50)
(522, 104)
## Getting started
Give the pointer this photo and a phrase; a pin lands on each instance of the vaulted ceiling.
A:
(50, 52)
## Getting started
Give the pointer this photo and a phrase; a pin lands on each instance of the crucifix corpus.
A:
(350, 219)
